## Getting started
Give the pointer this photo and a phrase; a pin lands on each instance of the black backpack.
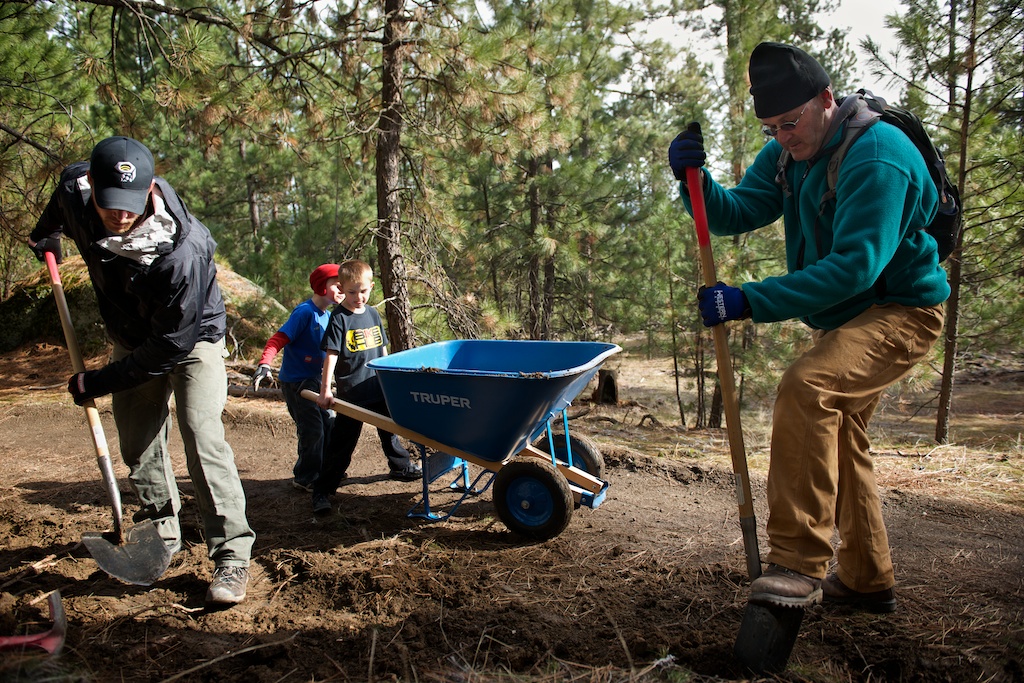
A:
(946, 225)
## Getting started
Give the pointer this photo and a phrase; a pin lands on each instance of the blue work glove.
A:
(722, 302)
(51, 244)
(687, 151)
(262, 373)
(88, 385)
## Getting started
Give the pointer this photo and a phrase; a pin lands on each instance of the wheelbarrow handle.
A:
(730, 404)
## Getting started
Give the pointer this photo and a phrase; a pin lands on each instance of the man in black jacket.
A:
(151, 266)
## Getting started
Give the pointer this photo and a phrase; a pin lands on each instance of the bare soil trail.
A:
(650, 586)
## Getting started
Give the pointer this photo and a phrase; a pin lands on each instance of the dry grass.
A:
(983, 463)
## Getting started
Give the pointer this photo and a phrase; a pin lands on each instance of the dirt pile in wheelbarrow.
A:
(650, 586)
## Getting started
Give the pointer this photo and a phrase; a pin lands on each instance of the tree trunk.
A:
(533, 295)
(255, 226)
(548, 306)
(699, 367)
(951, 342)
(675, 341)
(394, 283)
(254, 214)
(548, 309)
(715, 418)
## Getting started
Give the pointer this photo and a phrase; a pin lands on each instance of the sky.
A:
(866, 18)
(863, 18)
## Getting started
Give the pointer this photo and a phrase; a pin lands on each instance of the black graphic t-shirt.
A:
(357, 338)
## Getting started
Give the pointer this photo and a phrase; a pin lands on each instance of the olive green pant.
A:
(142, 416)
(821, 473)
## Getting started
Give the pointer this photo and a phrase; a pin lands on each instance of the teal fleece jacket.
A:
(883, 196)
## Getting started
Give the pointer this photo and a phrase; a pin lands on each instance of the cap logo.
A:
(127, 171)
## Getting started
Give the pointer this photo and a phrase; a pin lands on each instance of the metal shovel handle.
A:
(730, 404)
(99, 440)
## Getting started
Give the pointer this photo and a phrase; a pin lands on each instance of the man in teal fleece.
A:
(866, 278)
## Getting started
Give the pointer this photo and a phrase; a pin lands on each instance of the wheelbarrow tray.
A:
(488, 398)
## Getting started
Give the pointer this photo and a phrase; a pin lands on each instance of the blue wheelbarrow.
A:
(491, 404)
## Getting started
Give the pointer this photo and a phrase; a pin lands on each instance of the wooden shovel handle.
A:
(99, 440)
(730, 404)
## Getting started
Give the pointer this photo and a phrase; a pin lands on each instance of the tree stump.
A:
(607, 387)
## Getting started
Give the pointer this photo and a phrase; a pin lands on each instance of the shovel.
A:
(767, 634)
(139, 555)
(52, 641)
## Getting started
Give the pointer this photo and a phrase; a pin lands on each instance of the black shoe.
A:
(321, 505)
(781, 587)
(228, 586)
(837, 593)
(411, 473)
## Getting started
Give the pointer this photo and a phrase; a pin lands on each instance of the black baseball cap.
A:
(122, 172)
(782, 77)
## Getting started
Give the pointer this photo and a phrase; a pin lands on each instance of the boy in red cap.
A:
(301, 365)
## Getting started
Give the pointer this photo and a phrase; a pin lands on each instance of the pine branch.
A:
(28, 141)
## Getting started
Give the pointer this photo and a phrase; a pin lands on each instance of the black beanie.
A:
(783, 77)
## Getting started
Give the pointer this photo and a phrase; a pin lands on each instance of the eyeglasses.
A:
(788, 126)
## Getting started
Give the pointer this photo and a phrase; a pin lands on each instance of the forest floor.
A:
(650, 586)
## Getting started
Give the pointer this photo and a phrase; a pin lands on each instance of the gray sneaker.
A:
(228, 586)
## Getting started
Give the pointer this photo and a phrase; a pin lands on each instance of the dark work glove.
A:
(51, 244)
(722, 302)
(87, 385)
(687, 151)
(262, 373)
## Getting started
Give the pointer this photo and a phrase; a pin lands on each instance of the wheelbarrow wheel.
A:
(532, 498)
(585, 454)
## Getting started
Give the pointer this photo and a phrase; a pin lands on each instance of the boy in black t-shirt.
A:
(355, 335)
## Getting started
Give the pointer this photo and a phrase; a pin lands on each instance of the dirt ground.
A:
(650, 586)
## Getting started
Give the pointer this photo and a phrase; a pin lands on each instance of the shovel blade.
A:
(766, 637)
(140, 560)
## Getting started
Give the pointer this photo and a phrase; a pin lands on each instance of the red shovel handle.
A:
(730, 404)
(700, 219)
(51, 265)
(77, 363)
(700, 212)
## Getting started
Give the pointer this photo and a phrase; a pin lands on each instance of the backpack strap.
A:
(861, 116)
(858, 112)
(780, 174)
(857, 116)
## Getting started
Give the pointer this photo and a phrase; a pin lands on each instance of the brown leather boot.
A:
(837, 593)
(781, 587)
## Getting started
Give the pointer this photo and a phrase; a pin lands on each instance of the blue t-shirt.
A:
(302, 357)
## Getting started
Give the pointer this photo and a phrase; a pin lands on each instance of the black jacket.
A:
(158, 311)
